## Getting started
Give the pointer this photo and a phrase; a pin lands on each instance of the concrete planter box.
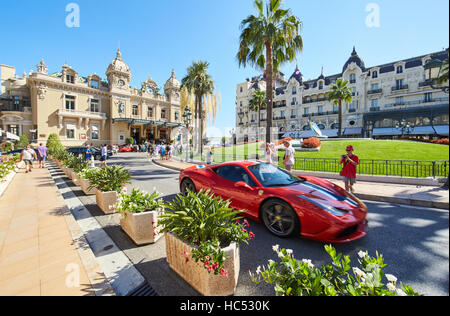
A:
(198, 277)
(106, 201)
(85, 184)
(142, 228)
(68, 172)
(75, 178)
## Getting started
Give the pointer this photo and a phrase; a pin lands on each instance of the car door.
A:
(241, 197)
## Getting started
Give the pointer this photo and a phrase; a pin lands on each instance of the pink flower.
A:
(187, 260)
(223, 272)
(251, 235)
(246, 223)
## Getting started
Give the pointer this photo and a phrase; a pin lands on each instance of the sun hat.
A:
(350, 147)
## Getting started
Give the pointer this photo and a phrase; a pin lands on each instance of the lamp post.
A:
(404, 125)
(187, 119)
(433, 69)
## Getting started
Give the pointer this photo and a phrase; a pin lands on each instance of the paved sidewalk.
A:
(424, 196)
(42, 252)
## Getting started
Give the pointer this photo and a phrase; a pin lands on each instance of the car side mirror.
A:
(242, 184)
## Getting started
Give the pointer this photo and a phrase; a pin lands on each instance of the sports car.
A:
(287, 205)
(125, 149)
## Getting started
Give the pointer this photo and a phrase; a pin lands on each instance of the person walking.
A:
(349, 161)
(27, 156)
(42, 155)
(104, 155)
(289, 156)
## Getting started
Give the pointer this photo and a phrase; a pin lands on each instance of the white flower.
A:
(391, 278)
(391, 287)
(359, 272)
(258, 270)
(289, 251)
(363, 254)
(271, 261)
(400, 292)
(308, 262)
(276, 248)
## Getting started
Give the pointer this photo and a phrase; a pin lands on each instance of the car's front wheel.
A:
(280, 219)
(186, 186)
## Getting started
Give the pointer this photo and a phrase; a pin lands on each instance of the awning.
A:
(422, 130)
(94, 128)
(12, 136)
(389, 131)
(442, 130)
(71, 126)
(330, 132)
(352, 131)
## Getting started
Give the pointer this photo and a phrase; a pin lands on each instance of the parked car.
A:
(82, 151)
(126, 149)
(287, 205)
(18, 151)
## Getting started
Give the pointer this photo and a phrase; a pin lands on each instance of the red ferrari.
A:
(125, 149)
(287, 205)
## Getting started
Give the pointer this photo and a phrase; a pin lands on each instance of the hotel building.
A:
(88, 109)
(383, 96)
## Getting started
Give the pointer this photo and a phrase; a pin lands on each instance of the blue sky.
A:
(156, 36)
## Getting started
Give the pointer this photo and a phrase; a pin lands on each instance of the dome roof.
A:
(118, 65)
(354, 58)
(173, 82)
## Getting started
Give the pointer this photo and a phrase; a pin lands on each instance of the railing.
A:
(393, 168)
(397, 88)
(374, 91)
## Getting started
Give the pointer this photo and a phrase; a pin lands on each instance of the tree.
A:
(341, 92)
(257, 103)
(200, 83)
(23, 142)
(443, 78)
(268, 40)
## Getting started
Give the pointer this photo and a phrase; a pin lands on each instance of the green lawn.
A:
(365, 149)
(378, 157)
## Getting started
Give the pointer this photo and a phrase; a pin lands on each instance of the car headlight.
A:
(332, 210)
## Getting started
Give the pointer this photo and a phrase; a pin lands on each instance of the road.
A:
(413, 241)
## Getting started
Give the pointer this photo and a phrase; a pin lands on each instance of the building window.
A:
(335, 108)
(70, 78)
(13, 129)
(374, 103)
(399, 69)
(351, 107)
(135, 110)
(321, 85)
(294, 90)
(241, 90)
(306, 111)
(428, 97)
(352, 78)
(70, 131)
(399, 84)
(163, 114)
(95, 108)
(177, 116)
(70, 102)
(94, 84)
(95, 135)
(374, 87)
(399, 101)
(320, 109)
(374, 74)
(149, 112)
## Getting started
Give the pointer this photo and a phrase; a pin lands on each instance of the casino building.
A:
(88, 109)
(384, 96)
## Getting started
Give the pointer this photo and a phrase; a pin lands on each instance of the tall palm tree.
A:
(257, 103)
(269, 39)
(443, 77)
(341, 92)
(201, 84)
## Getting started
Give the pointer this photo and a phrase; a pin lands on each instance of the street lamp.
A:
(404, 125)
(187, 119)
(433, 69)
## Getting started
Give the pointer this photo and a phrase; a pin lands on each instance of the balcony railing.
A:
(375, 91)
(417, 102)
(82, 114)
(398, 88)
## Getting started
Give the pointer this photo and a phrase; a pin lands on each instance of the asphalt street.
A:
(413, 241)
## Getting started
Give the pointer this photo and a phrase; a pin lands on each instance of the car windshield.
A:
(270, 176)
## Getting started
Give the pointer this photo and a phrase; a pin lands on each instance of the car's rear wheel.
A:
(280, 219)
(187, 185)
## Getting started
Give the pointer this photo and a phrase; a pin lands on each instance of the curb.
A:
(4, 184)
(369, 197)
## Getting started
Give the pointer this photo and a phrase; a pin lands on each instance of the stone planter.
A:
(196, 275)
(106, 200)
(142, 228)
(85, 184)
(75, 178)
(68, 172)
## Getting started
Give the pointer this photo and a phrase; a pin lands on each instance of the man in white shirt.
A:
(27, 156)
(289, 157)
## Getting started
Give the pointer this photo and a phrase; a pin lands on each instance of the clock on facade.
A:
(121, 83)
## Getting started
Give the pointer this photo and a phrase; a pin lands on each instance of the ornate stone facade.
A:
(382, 96)
(87, 109)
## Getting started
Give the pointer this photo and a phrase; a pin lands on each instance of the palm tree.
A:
(257, 103)
(340, 93)
(269, 39)
(200, 83)
(444, 72)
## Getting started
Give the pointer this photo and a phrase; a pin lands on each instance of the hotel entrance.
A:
(136, 133)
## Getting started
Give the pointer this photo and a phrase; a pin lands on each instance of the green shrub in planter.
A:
(292, 277)
(207, 222)
(110, 178)
(139, 201)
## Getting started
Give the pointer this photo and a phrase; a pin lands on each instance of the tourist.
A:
(271, 154)
(42, 155)
(88, 153)
(350, 162)
(289, 156)
(162, 151)
(209, 155)
(104, 155)
(27, 156)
